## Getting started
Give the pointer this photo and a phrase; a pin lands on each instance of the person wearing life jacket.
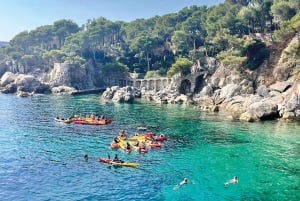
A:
(128, 147)
(117, 160)
(116, 140)
(123, 135)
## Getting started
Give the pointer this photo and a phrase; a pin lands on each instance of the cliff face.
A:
(269, 92)
(69, 75)
(61, 78)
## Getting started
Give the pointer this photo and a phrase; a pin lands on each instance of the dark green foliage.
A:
(162, 72)
(114, 69)
(155, 44)
(182, 65)
(256, 53)
(288, 28)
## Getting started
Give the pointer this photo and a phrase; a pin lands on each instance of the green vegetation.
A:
(182, 65)
(159, 44)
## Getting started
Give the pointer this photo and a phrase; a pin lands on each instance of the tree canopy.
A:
(160, 43)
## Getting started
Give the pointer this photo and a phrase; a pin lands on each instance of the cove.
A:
(43, 160)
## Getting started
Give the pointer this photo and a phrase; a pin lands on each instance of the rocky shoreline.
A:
(278, 101)
(266, 93)
(221, 92)
(231, 94)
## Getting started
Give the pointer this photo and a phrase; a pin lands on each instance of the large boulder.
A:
(7, 78)
(263, 91)
(280, 86)
(109, 93)
(249, 116)
(261, 111)
(11, 83)
(291, 105)
(119, 95)
(207, 91)
(28, 83)
(123, 96)
(183, 99)
(230, 90)
(64, 74)
(9, 89)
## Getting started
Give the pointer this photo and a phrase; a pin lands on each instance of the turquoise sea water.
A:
(43, 160)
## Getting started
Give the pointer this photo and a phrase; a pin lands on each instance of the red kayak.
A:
(160, 138)
(143, 150)
(155, 144)
(149, 135)
(126, 150)
(114, 145)
(104, 160)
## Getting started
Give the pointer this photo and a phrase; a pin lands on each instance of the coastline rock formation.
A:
(120, 95)
(263, 94)
(269, 92)
(63, 78)
(18, 83)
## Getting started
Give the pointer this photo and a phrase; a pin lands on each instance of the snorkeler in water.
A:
(232, 181)
(183, 182)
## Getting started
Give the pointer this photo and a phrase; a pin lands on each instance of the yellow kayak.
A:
(139, 138)
(133, 146)
(122, 143)
(138, 147)
(123, 146)
(126, 164)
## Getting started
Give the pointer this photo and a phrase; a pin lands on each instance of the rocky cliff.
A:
(270, 92)
(62, 78)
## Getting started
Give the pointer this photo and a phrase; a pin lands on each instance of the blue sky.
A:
(21, 15)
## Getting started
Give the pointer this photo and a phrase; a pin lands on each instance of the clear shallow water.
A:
(43, 160)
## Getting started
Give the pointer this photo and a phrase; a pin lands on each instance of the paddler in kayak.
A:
(116, 140)
(116, 159)
(123, 135)
(128, 147)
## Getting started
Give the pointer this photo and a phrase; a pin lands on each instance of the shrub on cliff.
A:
(114, 69)
(288, 28)
(182, 65)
